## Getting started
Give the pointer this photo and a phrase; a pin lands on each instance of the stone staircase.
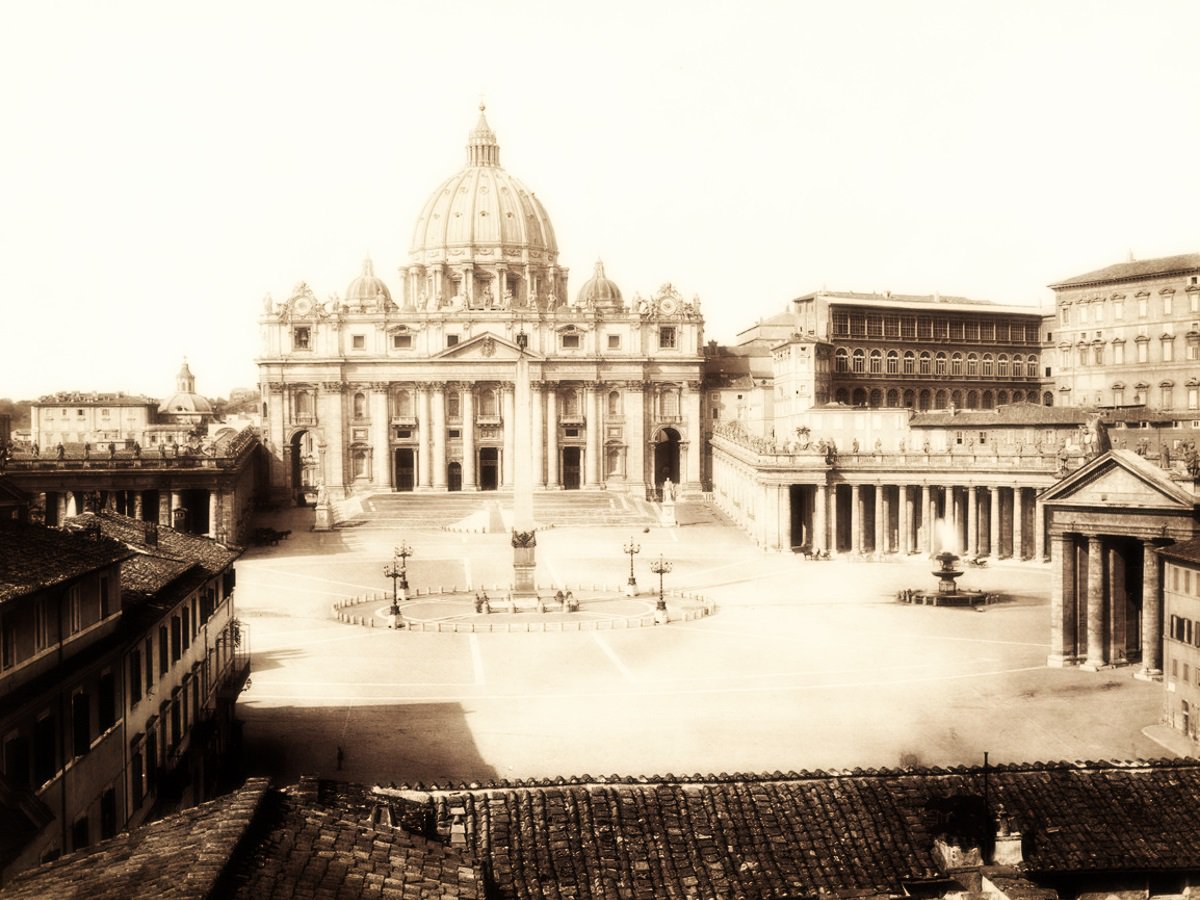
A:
(490, 511)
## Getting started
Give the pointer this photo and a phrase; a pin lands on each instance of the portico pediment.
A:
(486, 347)
(1120, 478)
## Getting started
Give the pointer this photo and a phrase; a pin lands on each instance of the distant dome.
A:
(185, 400)
(483, 208)
(600, 292)
(365, 290)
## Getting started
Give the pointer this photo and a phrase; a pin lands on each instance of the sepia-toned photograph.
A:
(695, 450)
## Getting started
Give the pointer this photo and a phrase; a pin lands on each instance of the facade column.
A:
(1096, 658)
(994, 504)
(635, 437)
(856, 527)
(552, 481)
(820, 498)
(1018, 524)
(1039, 533)
(880, 520)
(538, 438)
(470, 480)
(591, 410)
(438, 416)
(927, 517)
(333, 428)
(904, 519)
(424, 433)
(1063, 603)
(381, 445)
(689, 403)
(832, 509)
(214, 512)
(510, 442)
(1152, 615)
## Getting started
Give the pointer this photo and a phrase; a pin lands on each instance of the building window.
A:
(79, 833)
(401, 341)
(1142, 307)
(176, 639)
(858, 361)
(453, 405)
(149, 663)
(1118, 309)
(841, 324)
(1098, 354)
(925, 364)
(987, 365)
(41, 625)
(1118, 354)
(185, 627)
(1118, 396)
(487, 403)
(74, 612)
(939, 364)
(571, 342)
(909, 362)
(614, 342)
(841, 360)
(893, 362)
(1002, 365)
(972, 365)
(666, 337)
(1168, 304)
(669, 403)
(956, 364)
(451, 340)
(402, 404)
(107, 709)
(908, 327)
(1143, 353)
(135, 675)
(1168, 349)
(360, 462)
(301, 339)
(358, 341)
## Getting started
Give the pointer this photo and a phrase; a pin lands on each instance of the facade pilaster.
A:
(1018, 523)
(1096, 658)
(856, 519)
(510, 422)
(470, 479)
(591, 410)
(381, 449)
(552, 479)
(437, 402)
(424, 437)
(1152, 614)
(276, 441)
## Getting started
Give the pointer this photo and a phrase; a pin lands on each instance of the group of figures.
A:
(566, 603)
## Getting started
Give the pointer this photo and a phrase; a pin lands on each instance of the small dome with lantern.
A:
(368, 290)
(600, 293)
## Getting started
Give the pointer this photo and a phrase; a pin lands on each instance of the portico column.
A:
(380, 444)
(552, 481)
(880, 518)
(904, 519)
(855, 519)
(1063, 602)
(538, 438)
(1152, 624)
(510, 422)
(819, 499)
(470, 482)
(214, 511)
(1039, 533)
(592, 425)
(1018, 524)
(438, 415)
(424, 433)
(1095, 605)
(994, 502)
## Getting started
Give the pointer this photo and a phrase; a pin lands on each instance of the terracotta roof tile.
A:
(1134, 270)
(35, 557)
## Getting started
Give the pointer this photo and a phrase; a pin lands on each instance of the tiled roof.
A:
(35, 557)
(181, 856)
(1134, 270)
(1018, 414)
(1184, 551)
(919, 300)
(171, 544)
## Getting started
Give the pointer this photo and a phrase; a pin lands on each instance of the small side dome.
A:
(367, 289)
(185, 401)
(599, 292)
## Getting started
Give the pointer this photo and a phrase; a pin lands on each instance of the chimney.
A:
(1008, 842)
(151, 534)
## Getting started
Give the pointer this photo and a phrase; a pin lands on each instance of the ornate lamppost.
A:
(399, 576)
(660, 567)
(631, 587)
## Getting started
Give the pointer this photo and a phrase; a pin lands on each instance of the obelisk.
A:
(524, 536)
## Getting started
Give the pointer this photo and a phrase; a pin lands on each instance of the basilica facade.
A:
(373, 393)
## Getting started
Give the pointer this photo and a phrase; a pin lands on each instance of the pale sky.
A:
(163, 166)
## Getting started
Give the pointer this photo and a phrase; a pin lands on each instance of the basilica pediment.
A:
(486, 347)
(1120, 478)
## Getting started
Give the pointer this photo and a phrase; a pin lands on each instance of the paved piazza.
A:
(805, 665)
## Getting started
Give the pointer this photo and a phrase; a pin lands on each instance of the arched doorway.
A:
(666, 457)
(304, 466)
(406, 468)
(454, 476)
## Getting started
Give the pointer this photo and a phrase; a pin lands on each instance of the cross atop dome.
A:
(481, 145)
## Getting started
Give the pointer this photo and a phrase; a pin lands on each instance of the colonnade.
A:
(153, 505)
(1106, 602)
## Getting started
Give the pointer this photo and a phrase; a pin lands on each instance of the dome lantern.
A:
(482, 148)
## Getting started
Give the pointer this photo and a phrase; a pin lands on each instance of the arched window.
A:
(956, 364)
(614, 403)
(842, 396)
(841, 360)
(360, 405)
(987, 400)
(925, 360)
(893, 362)
(670, 403)
(924, 402)
(1031, 366)
(859, 359)
(910, 399)
(487, 403)
(876, 399)
(909, 363)
(1002, 365)
(939, 400)
(860, 397)
(876, 362)
(1018, 397)
(972, 366)
(1047, 399)
(939, 364)
(1002, 398)
(972, 400)
(987, 365)
(402, 405)
(893, 398)
(956, 399)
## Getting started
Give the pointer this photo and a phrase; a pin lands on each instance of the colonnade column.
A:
(1018, 528)
(591, 410)
(380, 444)
(904, 519)
(972, 520)
(62, 506)
(855, 519)
(1095, 605)
(552, 481)
(833, 518)
(469, 481)
(214, 512)
(820, 496)
(1152, 624)
(927, 517)
(1063, 602)
(508, 409)
(424, 431)
(137, 505)
(538, 439)
(438, 417)
(994, 503)
(880, 520)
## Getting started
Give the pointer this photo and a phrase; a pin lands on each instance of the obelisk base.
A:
(524, 567)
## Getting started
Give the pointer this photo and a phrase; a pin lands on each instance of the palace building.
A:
(370, 393)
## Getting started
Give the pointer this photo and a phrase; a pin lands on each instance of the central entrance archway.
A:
(666, 457)
(406, 469)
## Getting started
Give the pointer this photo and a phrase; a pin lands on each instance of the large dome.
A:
(483, 213)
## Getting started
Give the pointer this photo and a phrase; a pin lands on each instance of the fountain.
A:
(948, 592)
